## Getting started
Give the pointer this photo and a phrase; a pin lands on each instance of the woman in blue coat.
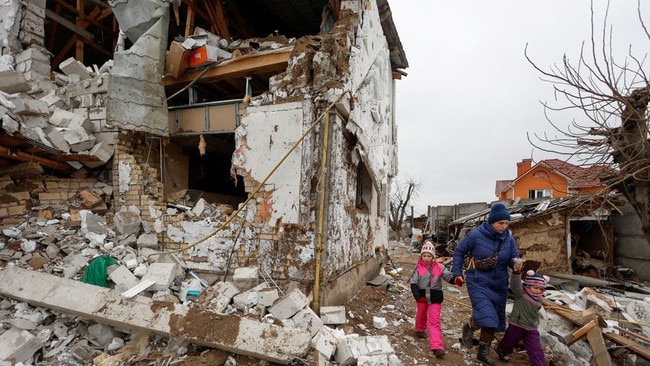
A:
(490, 249)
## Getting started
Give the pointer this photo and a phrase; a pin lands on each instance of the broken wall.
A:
(136, 179)
(544, 239)
(351, 62)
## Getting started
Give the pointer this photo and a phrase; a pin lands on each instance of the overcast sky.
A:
(470, 96)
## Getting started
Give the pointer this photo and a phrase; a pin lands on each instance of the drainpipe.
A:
(321, 213)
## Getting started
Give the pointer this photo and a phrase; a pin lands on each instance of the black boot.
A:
(467, 335)
(483, 355)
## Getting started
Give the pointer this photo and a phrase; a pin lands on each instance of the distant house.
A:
(552, 178)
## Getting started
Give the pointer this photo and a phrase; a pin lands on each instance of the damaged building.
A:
(594, 236)
(226, 135)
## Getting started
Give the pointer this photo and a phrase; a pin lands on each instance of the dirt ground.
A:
(393, 301)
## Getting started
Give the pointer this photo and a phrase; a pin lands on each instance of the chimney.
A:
(523, 167)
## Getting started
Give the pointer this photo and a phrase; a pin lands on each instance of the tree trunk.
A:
(631, 150)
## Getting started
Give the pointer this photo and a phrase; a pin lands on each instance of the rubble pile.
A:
(57, 250)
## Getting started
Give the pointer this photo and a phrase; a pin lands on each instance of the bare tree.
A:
(613, 97)
(400, 199)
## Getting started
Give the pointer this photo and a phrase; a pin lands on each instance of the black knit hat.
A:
(498, 212)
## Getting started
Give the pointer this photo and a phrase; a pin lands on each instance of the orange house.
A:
(552, 178)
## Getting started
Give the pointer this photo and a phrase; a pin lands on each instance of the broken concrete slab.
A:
(18, 345)
(227, 332)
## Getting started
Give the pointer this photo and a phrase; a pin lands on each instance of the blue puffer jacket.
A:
(488, 290)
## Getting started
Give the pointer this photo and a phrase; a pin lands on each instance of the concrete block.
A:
(109, 138)
(73, 67)
(351, 348)
(268, 296)
(32, 76)
(288, 305)
(162, 274)
(35, 66)
(219, 303)
(27, 105)
(97, 113)
(62, 118)
(127, 222)
(78, 139)
(34, 52)
(101, 151)
(248, 299)
(325, 341)
(305, 319)
(333, 314)
(245, 277)
(56, 137)
(18, 345)
(34, 121)
(53, 100)
(228, 289)
(12, 81)
(123, 278)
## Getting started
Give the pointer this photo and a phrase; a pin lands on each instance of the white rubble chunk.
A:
(351, 348)
(288, 305)
(123, 278)
(333, 315)
(268, 296)
(73, 67)
(78, 139)
(162, 274)
(245, 277)
(248, 299)
(102, 333)
(305, 319)
(18, 345)
(325, 341)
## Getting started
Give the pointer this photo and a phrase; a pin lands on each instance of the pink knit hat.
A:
(428, 247)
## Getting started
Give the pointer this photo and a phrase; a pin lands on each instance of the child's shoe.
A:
(502, 356)
(438, 353)
(420, 334)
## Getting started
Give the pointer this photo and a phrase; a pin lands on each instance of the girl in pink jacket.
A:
(426, 286)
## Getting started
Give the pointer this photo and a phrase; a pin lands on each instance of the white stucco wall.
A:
(265, 135)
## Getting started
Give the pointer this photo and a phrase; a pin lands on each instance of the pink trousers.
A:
(427, 317)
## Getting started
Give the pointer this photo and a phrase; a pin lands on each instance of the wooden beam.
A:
(24, 157)
(221, 21)
(54, 28)
(189, 22)
(263, 62)
(94, 21)
(635, 347)
(594, 337)
(72, 41)
(68, 24)
(79, 45)
(199, 12)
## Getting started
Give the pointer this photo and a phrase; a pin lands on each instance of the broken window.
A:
(364, 188)
(539, 193)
